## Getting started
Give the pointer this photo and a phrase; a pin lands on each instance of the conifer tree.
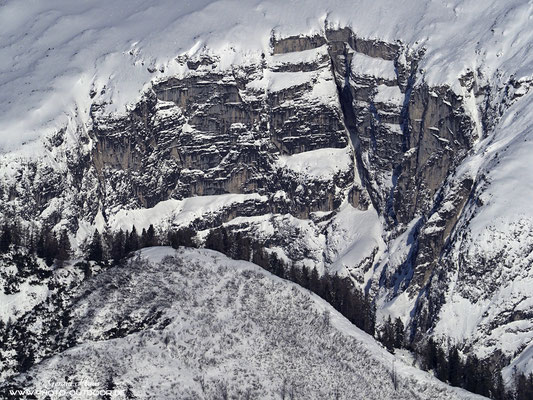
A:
(40, 244)
(109, 386)
(387, 334)
(243, 249)
(151, 239)
(429, 355)
(369, 309)
(142, 239)
(441, 370)
(132, 241)
(129, 393)
(25, 357)
(5, 238)
(182, 237)
(63, 252)
(304, 277)
(314, 282)
(47, 246)
(51, 247)
(96, 250)
(260, 257)
(16, 233)
(471, 373)
(276, 265)
(326, 288)
(117, 251)
(499, 387)
(454, 366)
(29, 239)
(399, 334)
(293, 273)
(218, 240)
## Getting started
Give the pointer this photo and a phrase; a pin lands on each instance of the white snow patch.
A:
(352, 236)
(176, 212)
(16, 304)
(318, 164)
(300, 57)
(374, 67)
(389, 95)
(278, 81)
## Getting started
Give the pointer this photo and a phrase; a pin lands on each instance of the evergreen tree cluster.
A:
(524, 386)
(11, 235)
(235, 245)
(392, 334)
(115, 246)
(44, 242)
(472, 374)
(56, 247)
(6, 238)
(182, 237)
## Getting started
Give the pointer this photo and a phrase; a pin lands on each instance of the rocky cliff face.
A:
(331, 149)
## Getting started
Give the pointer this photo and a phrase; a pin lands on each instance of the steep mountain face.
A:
(335, 149)
(194, 324)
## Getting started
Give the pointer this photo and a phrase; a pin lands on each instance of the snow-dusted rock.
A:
(389, 142)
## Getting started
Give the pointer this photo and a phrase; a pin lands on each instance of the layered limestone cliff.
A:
(331, 150)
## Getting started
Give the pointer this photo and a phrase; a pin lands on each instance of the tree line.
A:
(56, 247)
(475, 375)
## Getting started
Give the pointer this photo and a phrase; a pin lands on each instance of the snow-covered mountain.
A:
(387, 141)
(193, 324)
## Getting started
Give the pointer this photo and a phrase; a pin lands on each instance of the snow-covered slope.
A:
(54, 53)
(388, 141)
(218, 325)
(496, 281)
